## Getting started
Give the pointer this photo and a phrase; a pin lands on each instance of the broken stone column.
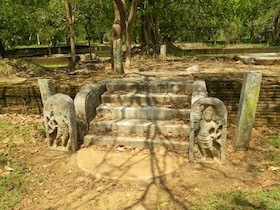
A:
(46, 89)
(247, 109)
(208, 131)
(60, 123)
(118, 56)
(199, 90)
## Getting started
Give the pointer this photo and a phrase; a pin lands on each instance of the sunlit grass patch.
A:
(12, 186)
(16, 132)
(9, 67)
(275, 141)
(273, 157)
(13, 132)
(240, 199)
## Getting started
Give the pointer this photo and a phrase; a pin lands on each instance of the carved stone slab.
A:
(60, 123)
(208, 131)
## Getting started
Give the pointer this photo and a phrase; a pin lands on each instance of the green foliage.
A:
(94, 17)
(44, 21)
(240, 199)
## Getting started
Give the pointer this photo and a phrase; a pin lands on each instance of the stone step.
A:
(147, 113)
(167, 128)
(135, 142)
(156, 86)
(150, 99)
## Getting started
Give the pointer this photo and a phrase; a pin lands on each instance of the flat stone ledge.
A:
(135, 142)
(259, 58)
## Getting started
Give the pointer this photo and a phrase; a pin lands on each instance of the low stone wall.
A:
(41, 51)
(227, 87)
(213, 51)
(25, 98)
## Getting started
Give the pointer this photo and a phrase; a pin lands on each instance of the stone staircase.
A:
(143, 113)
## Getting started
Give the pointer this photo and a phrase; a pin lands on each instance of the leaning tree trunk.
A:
(116, 42)
(128, 34)
(70, 18)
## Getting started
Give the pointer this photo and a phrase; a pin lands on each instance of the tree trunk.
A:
(101, 39)
(149, 29)
(276, 24)
(116, 40)
(128, 34)
(2, 49)
(70, 18)
(89, 41)
(252, 32)
(38, 39)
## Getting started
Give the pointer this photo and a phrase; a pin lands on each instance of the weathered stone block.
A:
(60, 123)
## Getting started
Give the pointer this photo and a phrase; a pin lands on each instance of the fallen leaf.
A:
(273, 168)
(164, 204)
(196, 189)
(8, 168)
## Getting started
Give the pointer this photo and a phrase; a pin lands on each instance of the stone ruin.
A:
(259, 58)
(67, 121)
(59, 118)
(208, 131)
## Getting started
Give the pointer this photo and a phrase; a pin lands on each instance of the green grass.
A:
(240, 199)
(12, 187)
(275, 141)
(274, 157)
(14, 136)
(13, 132)
(10, 67)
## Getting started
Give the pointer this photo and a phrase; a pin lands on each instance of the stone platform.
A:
(259, 58)
(117, 164)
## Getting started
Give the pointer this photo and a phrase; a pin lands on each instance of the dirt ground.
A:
(54, 180)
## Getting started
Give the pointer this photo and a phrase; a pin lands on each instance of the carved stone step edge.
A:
(150, 99)
(157, 86)
(135, 142)
(169, 128)
(148, 112)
